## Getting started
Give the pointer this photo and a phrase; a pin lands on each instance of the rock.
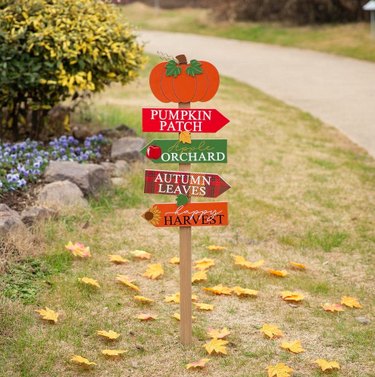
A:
(62, 194)
(109, 167)
(90, 178)
(31, 215)
(121, 168)
(127, 148)
(363, 320)
(116, 181)
(9, 220)
(118, 132)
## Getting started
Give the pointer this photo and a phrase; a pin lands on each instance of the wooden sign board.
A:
(191, 214)
(178, 120)
(190, 184)
(199, 151)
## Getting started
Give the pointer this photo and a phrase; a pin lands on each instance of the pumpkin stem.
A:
(181, 59)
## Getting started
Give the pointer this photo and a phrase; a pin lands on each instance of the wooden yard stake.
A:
(185, 271)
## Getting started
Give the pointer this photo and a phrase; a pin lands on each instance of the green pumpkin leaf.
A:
(195, 68)
(182, 200)
(172, 69)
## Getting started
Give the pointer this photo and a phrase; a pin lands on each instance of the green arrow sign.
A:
(200, 150)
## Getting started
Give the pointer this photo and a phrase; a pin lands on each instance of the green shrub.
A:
(51, 50)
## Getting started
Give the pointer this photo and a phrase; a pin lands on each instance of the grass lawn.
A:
(301, 192)
(353, 40)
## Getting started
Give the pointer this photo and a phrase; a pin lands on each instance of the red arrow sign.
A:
(177, 120)
(191, 214)
(190, 184)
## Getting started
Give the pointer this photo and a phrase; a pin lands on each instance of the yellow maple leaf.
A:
(113, 353)
(204, 264)
(89, 281)
(146, 317)
(291, 296)
(350, 302)
(185, 137)
(298, 266)
(78, 249)
(143, 300)
(332, 307)
(242, 262)
(294, 346)
(279, 273)
(279, 370)
(176, 298)
(216, 248)
(111, 335)
(271, 331)
(82, 361)
(174, 260)
(239, 291)
(199, 276)
(117, 259)
(48, 314)
(154, 271)
(219, 290)
(140, 254)
(327, 365)
(218, 334)
(178, 317)
(216, 346)
(203, 306)
(197, 364)
(123, 279)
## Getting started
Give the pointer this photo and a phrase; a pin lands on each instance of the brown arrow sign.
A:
(190, 184)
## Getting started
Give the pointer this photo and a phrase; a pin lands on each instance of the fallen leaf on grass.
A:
(140, 254)
(111, 335)
(154, 271)
(117, 259)
(218, 334)
(197, 364)
(219, 290)
(271, 331)
(174, 260)
(298, 266)
(178, 317)
(113, 353)
(350, 302)
(143, 300)
(279, 370)
(242, 262)
(204, 264)
(291, 296)
(123, 279)
(146, 317)
(332, 307)
(176, 298)
(82, 361)
(327, 365)
(89, 281)
(199, 276)
(294, 347)
(203, 306)
(48, 314)
(78, 249)
(185, 137)
(216, 248)
(239, 291)
(216, 346)
(278, 273)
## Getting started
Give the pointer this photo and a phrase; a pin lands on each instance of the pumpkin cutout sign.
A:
(184, 82)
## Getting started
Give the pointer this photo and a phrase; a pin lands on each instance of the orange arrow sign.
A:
(191, 214)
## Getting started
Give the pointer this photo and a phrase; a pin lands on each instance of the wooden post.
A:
(185, 271)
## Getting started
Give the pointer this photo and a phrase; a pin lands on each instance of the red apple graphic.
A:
(153, 152)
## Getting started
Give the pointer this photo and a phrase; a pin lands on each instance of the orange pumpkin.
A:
(182, 82)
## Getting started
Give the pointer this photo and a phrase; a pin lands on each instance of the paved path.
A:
(340, 91)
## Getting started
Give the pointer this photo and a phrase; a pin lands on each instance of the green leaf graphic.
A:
(195, 68)
(172, 69)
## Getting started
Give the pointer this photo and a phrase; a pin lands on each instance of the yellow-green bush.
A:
(51, 50)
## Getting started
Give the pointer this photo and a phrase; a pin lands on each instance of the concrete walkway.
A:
(340, 91)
